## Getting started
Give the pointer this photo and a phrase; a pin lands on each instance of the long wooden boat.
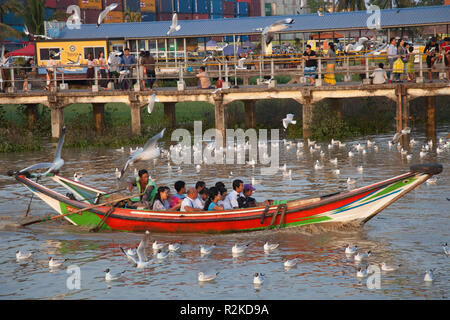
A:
(355, 206)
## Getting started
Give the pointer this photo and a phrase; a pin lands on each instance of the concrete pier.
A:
(307, 113)
(430, 103)
(249, 106)
(169, 114)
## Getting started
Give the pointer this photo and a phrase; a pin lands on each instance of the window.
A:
(94, 50)
(45, 53)
(117, 47)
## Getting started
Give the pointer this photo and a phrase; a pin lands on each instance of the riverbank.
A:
(358, 117)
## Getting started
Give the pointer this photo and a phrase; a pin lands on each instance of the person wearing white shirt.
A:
(201, 198)
(188, 203)
(379, 75)
(392, 53)
(231, 199)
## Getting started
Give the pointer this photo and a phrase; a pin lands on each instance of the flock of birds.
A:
(137, 255)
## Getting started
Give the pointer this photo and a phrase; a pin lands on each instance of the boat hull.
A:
(356, 206)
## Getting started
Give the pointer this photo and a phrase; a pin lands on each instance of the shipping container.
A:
(11, 19)
(165, 6)
(184, 6)
(228, 7)
(184, 16)
(254, 8)
(201, 6)
(64, 4)
(148, 5)
(50, 4)
(89, 16)
(199, 16)
(215, 16)
(241, 9)
(228, 16)
(132, 5)
(114, 17)
(163, 16)
(268, 9)
(48, 13)
(90, 4)
(215, 7)
(119, 4)
(148, 16)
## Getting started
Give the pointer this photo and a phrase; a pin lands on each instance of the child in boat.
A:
(175, 201)
(212, 204)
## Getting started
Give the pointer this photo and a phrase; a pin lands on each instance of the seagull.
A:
(409, 157)
(122, 149)
(77, 176)
(202, 277)
(216, 90)
(360, 169)
(112, 276)
(397, 136)
(289, 119)
(432, 180)
(362, 256)
(446, 250)
(54, 263)
(290, 263)
(74, 62)
(361, 273)
(140, 261)
(269, 247)
(277, 26)
(58, 53)
(350, 154)
(157, 246)
(105, 12)
(351, 181)
(207, 249)
(385, 267)
(422, 154)
(22, 255)
(173, 247)
(149, 151)
(317, 165)
(336, 171)
(117, 173)
(151, 103)
(239, 249)
(28, 34)
(240, 65)
(174, 26)
(319, 13)
(57, 163)
(161, 254)
(334, 161)
(351, 250)
(130, 253)
(258, 278)
(429, 276)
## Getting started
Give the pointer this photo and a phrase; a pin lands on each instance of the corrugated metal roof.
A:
(246, 25)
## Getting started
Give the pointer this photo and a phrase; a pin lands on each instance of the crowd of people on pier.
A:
(196, 198)
(124, 70)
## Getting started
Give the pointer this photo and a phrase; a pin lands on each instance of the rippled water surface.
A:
(409, 232)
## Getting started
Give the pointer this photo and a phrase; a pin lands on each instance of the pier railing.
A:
(131, 77)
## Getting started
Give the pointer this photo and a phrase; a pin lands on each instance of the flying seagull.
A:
(397, 136)
(149, 151)
(28, 34)
(103, 14)
(277, 26)
(140, 261)
(57, 163)
(151, 103)
(289, 119)
(174, 26)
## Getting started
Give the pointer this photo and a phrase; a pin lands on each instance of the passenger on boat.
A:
(161, 203)
(214, 196)
(231, 199)
(247, 201)
(175, 200)
(188, 203)
(201, 198)
(146, 187)
(223, 195)
(199, 186)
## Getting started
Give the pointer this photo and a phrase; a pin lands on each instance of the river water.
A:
(409, 232)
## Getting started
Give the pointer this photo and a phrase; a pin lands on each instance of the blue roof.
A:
(431, 15)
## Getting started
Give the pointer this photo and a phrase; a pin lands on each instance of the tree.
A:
(351, 5)
(6, 31)
(33, 14)
(131, 16)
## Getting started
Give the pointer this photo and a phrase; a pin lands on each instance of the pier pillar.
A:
(135, 119)
(99, 117)
(32, 114)
(169, 114)
(307, 113)
(249, 106)
(431, 118)
(336, 106)
(245, 81)
(405, 120)
(220, 117)
(57, 119)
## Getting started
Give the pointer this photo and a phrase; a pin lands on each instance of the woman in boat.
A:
(146, 188)
(161, 202)
(212, 204)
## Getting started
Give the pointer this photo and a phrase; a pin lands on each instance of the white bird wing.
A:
(285, 123)
(151, 103)
(128, 255)
(396, 137)
(60, 144)
(41, 165)
(153, 140)
(174, 20)
(141, 248)
(130, 160)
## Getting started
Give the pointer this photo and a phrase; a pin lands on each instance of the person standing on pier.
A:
(331, 64)
(128, 62)
(90, 73)
(310, 64)
(103, 67)
(445, 47)
(392, 53)
(149, 64)
(432, 52)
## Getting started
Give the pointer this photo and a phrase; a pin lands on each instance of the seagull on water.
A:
(446, 250)
(351, 250)
(386, 267)
(288, 120)
(207, 249)
(237, 249)
(57, 163)
(429, 277)
(140, 261)
(105, 12)
(131, 253)
(317, 165)
(334, 161)
(270, 246)
(397, 136)
(202, 277)
(432, 180)
(117, 173)
(361, 273)
(362, 256)
(77, 176)
(158, 246)
(112, 276)
(23, 255)
(336, 171)
(290, 263)
(258, 278)
(350, 181)
(149, 151)
(350, 154)
(174, 26)
(360, 169)
(54, 263)
(174, 247)
(161, 254)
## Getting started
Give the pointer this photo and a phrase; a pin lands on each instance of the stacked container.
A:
(148, 6)
(184, 6)
(132, 5)
(50, 4)
(254, 8)
(228, 9)
(165, 6)
(241, 9)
